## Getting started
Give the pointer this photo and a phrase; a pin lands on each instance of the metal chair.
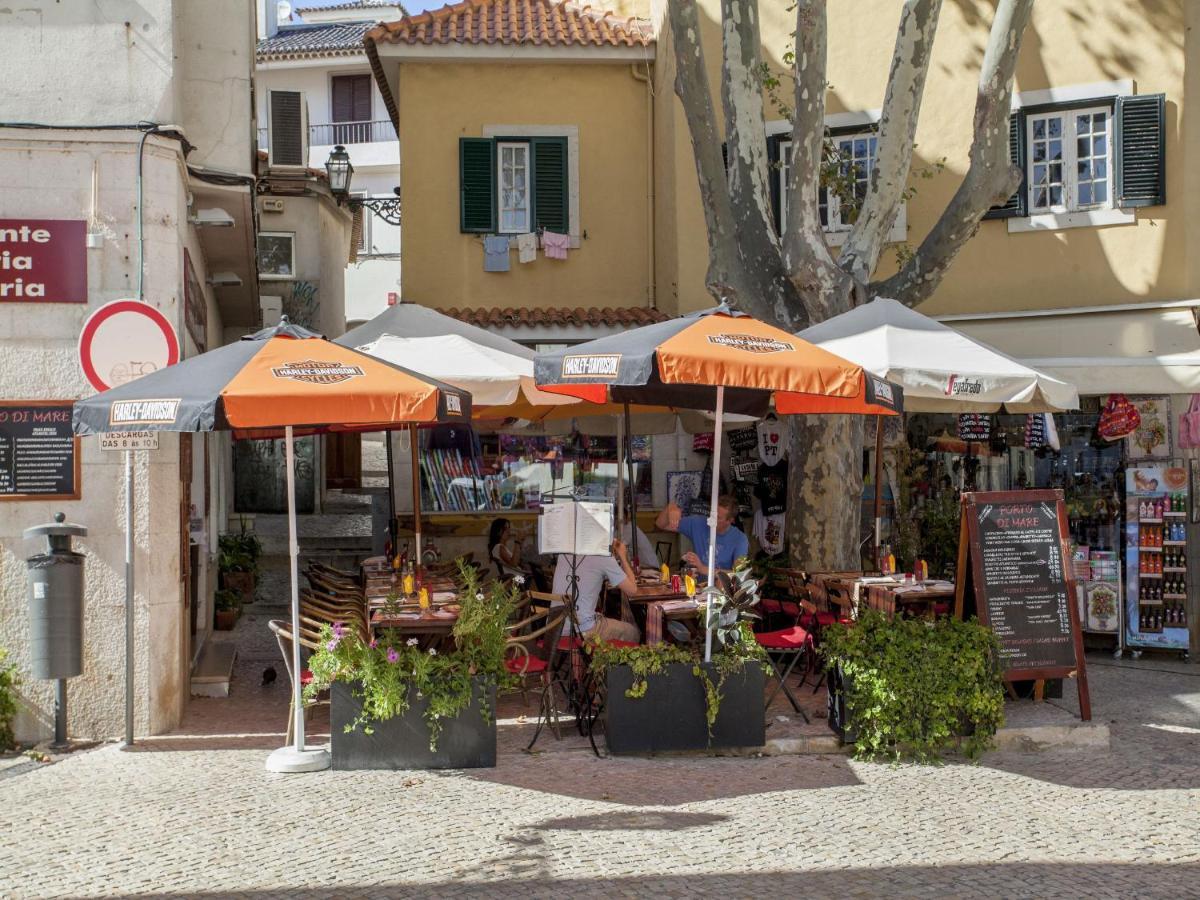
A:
(309, 636)
(785, 648)
(533, 645)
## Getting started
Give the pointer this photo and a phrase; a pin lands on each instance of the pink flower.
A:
(339, 630)
(332, 645)
(374, 643)
(392, 655)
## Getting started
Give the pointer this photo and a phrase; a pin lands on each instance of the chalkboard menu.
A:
(1012, 552)
(39, 455)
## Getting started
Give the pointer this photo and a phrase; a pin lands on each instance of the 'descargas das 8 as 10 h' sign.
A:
(43, 261)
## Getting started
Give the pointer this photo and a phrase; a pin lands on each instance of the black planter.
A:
(402, 742)
(838, 684)
(672, 716)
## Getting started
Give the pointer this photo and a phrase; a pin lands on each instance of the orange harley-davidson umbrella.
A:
(722, 360)
(282, 379)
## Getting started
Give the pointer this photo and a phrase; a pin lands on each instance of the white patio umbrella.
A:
(940, 369)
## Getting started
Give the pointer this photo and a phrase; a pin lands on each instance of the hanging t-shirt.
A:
(768, 531)
(772, 488)
(770, 441)
(495, 254)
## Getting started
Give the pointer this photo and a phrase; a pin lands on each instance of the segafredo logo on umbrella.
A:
(751, 343)
(594, 365)
(312, 371)
(143, 412)
(958, 386)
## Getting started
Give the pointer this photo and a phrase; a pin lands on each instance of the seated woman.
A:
(508, 562)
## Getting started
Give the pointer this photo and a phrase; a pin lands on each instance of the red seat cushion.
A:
(784, 639)
(570, 642)
(941, 609)
(779, 606)
(623, 643)
(306, 676)
(519, 665)
(820, 618)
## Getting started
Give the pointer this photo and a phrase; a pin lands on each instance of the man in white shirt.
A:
(590, 573)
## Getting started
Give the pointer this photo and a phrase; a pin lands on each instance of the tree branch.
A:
(991, 178)
(691, 85)
(897, 130)
(806, 256)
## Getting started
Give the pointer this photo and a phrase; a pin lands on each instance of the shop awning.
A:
(1137, 348)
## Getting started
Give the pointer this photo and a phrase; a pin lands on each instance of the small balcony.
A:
(345, 133)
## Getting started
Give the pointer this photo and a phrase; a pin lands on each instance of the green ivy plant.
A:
(238, 551)
(10, 680)
(389, 671)
(733, 599)
(226, 600)
(915, 688)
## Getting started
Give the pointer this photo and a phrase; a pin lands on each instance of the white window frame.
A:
(1070, 159)
(524, 147)
(571, 133)
(271, 276)
(835, 230)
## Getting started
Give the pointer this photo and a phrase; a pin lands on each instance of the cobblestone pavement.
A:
(195, 814)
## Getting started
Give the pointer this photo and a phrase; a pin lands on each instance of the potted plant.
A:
(396, 705)
(10, 680)
(227, 608)
(913, 688)
(237, 561)
(664, 697)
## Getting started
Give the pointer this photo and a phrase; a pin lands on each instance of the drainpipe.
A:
(650, 235)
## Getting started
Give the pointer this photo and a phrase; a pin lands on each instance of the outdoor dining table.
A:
(853, 592)
(661, 604)
(912, 599)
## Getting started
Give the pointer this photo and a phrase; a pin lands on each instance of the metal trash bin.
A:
(56, 612)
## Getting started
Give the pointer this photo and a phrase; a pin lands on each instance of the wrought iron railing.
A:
(345, 133)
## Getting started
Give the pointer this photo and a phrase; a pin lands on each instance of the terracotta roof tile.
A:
(537, 22)
(558, 316)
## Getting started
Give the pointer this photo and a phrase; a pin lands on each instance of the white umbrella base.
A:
(288, 760)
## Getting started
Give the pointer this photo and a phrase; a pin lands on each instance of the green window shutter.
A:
(477, 185)
(1016, 205)
(1140, 145)
(551, 192)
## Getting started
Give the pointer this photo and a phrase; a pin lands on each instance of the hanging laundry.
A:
(495, 254)
(555, 244)
(772, 488)
(527, 247)
(1035, 430)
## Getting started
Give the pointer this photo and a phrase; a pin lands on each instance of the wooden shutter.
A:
(775, 172)
(1141, 151)
(1017, 204)
(286, 136)
(477, 185)
(551, 192)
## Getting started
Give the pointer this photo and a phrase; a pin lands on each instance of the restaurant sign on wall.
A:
(43, 261)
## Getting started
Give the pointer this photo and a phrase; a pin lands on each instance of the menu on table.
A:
(39, 454)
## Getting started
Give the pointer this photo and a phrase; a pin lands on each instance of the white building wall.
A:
(376, 171)
(48, 175)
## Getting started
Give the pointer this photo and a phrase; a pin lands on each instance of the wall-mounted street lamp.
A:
(340, 172)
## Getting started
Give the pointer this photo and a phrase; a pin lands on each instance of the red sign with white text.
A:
(43, 261)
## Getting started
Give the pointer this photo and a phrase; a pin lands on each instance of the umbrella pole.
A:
(391, 489)
(632, 487)
(416, 492)
(296, 758)
(878, 487)
(712, 524)
(620, 478)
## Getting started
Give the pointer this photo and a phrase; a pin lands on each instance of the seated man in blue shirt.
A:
(731, 542)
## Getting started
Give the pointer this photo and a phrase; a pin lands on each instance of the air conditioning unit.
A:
(272, 204)
(287, 129)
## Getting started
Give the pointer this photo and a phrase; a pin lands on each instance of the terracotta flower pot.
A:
(226, 619)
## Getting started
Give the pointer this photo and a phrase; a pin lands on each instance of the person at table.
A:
(731, 540)
(590, 574)
(508, 562)
(636, 539)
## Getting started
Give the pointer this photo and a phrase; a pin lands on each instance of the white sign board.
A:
(129, 440)
(583, 528)
(124, 340)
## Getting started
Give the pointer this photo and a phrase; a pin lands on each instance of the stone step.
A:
(214, 669)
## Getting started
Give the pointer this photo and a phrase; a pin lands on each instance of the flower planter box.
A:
(672, 714)
(241, 582)
(837, 685)
(402, 742)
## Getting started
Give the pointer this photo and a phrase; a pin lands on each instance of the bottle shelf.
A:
(1178, 514)
(1174, 596)
(1150, 521)
(1174, 569)
(1150, 549)
(1149, 574)
(1174, 543)
(1150, 603)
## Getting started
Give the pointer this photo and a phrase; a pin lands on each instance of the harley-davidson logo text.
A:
(313, 371)
(143, 412)
(601, 365)
(750, 343)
